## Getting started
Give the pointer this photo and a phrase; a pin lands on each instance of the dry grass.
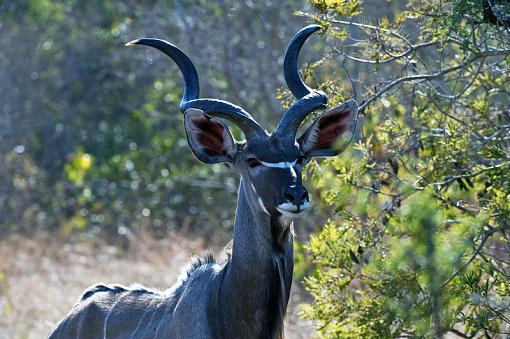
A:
(44, 277)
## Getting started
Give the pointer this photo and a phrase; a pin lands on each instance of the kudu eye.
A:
(252, 162)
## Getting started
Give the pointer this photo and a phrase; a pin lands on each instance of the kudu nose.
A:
(296, 195)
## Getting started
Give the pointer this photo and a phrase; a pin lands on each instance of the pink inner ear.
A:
(330, 127)
(209, 135)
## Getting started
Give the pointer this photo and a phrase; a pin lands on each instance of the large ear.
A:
(209, 138)
(331, 133)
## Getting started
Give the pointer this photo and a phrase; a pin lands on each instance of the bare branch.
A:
(410, 50)
(446, 183)
(388, 32)
(436, 75)
(458, 333)
(486, 235)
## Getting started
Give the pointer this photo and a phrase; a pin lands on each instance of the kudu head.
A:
(270, 164)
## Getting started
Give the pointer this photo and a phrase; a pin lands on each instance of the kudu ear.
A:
(331, 133)
(209, 138)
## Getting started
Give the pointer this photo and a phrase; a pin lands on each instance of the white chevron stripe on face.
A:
(261, 203)
(282, 164)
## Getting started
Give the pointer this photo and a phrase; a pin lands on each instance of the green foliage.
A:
(6, 307)
(339, 7)
(78, 166)
(419, 242)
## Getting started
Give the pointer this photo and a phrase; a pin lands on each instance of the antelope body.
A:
(247, 295)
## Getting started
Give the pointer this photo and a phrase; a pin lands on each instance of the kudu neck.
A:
(259, 275)
(253, 226)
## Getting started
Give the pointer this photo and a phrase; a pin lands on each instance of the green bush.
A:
(419, 244)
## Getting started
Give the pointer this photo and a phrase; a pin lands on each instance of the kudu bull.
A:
(247, 295)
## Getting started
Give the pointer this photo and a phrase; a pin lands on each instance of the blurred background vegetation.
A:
(92, 137)
(417, 240)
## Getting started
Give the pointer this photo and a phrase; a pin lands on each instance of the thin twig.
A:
(457, 332)
(374, 28)
(447, 182)
(436, 75)
(486, 235)
(411, 49)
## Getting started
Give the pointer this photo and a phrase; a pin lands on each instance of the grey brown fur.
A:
(247, 295)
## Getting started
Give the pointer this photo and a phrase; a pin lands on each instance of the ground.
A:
(42, 277)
